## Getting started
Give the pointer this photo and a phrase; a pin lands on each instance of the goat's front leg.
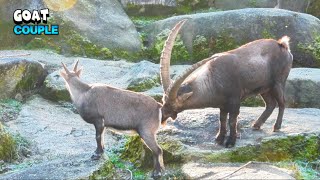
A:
(223, 127)
(150, 140)
(99, 126)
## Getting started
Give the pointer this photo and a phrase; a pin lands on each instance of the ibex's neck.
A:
(77, 88)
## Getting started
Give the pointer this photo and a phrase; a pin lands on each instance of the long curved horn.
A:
(166, 55)
(174, 87)
(75, 67)
(65, 68)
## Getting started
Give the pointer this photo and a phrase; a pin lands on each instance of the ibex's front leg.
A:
(99, 126)
(150, 140)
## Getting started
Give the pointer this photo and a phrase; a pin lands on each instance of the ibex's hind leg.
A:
(271, 103)
(234, 111)
(150, 140)
(99, 126)
(278, 93)
(223, 127)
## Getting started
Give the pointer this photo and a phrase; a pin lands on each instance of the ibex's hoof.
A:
(276, 130)
(96, 156)
(230, 143)
(219, 140)
(158, 173)
(256, 127)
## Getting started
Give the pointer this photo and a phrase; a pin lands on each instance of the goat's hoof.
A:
(96, 156)
(219, 140)
(256, 127)
(230, 143)
(158, 173)
(276, 130)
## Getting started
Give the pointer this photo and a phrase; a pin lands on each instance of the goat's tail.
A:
(284, 42)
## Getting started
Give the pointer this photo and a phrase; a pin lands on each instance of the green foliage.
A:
(200, 48)
(253, 3)
(117, 167)
(179, 53)
(266, 34)
(9, 109)
(313, 48)
(8, 146)
(254, 101)
(223, 43)
(313, 8)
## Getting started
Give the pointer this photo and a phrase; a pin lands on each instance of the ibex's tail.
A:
(284, 42)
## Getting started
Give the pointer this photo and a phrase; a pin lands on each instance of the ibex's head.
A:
(68, 75)
(172, 102)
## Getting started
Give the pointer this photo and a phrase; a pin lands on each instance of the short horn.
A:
(65, 68)
(75, 67)
(166, 55)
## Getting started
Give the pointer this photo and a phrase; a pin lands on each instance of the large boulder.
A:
(304, 6)
(208, 33)
(19, 77)
(102, 23)
(302, 88)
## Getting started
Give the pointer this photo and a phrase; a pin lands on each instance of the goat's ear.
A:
(184, 97)
(78, 73)
(63, 74)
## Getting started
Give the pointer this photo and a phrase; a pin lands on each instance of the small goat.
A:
(224, 79)
(106, 106)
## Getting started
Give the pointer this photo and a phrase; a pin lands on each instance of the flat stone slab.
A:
(235, 171)
(196, 129)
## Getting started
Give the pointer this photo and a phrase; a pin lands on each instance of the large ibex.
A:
(108, 107)
(225, 79)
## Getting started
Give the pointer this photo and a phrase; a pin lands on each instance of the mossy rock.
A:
(20, 76)
(54, 90)
(138, 153)
(141, 85)
(296, 147)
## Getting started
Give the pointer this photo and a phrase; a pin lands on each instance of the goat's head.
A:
(172, 102)
(68, 75)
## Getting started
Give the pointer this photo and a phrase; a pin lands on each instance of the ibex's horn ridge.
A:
(166, 55)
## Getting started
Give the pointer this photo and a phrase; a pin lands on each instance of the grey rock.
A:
(246, 25)
(302, 88)
(19, 77)
(226, 171)
(105, 23)
(102, 22)
(62, 143)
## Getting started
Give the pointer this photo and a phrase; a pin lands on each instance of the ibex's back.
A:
(102, 101)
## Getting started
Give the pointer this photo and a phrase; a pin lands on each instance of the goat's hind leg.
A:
(149, 139)
(271, 103)
(223, 127)
(100, 128)
(278, 93)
